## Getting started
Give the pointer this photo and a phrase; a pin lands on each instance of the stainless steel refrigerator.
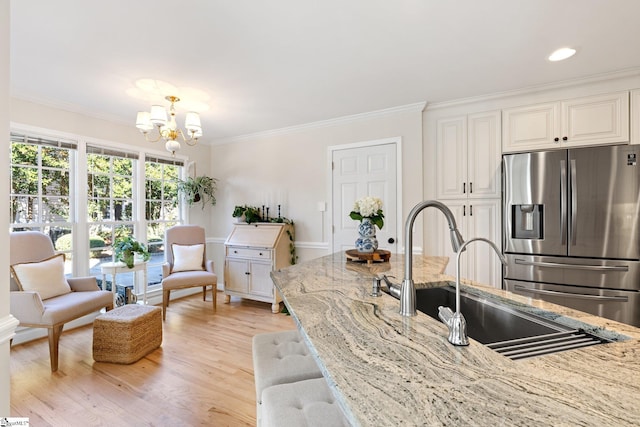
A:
(572, 228)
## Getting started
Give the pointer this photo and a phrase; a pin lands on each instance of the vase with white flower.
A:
(367, 210)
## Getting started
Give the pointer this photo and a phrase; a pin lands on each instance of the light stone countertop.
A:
(389, 370)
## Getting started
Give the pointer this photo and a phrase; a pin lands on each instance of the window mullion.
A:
(81, 230)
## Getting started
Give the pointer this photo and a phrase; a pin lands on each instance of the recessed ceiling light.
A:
(562, 53)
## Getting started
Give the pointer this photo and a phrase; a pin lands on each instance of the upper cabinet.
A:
(468, 155)
(635, 116)
(590, 120)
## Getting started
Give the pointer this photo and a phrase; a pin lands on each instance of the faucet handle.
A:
(445, 314)
(394, 289)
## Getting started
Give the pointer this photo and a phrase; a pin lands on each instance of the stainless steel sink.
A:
(511, 332)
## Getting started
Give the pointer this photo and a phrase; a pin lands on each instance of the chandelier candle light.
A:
(367, 210)
(168, 129)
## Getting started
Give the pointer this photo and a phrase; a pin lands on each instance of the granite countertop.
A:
(389, 370)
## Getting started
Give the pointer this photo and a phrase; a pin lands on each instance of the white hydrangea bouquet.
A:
(368, 207)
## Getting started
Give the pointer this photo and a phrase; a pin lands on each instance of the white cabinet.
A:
(468, 156)
(589, 120)
(475, 218)
(468, 181)
(252, 251)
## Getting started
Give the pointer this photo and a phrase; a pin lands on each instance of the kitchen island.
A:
(385, 369)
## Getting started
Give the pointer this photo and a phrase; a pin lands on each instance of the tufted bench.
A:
(303, 403)
(126, 334)
(280, 358)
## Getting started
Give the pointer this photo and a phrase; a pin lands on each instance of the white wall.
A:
(7, 323)
(295, 163)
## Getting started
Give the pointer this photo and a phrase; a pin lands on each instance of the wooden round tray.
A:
(379, 255)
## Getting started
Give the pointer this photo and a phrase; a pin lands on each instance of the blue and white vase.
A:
(367, 242)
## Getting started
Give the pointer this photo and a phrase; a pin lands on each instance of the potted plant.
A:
(126, 248)
(198, 189)
(247, 213)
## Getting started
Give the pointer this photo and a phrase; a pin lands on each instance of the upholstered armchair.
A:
(41, 296)
(186, 263)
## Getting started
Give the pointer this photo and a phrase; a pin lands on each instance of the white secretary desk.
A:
(252, 251)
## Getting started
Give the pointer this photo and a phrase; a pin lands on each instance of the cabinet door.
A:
(451, 152)
(531, 127)
(459, 210)
(475, 218)
(236, 275)
(483, 220)
(601, 119)
(260, 282)
(484, 154)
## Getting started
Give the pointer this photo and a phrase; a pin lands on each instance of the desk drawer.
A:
(248, 253)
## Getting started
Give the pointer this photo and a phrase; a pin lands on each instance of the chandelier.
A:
(168, 129)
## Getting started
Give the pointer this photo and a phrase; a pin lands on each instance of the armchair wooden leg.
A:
(165, 303)
(54, 339)
(214, 296)
(204, 293)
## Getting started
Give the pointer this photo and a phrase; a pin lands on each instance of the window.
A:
(40, 197)
(162, 208)
(48, 194)
(110, 202)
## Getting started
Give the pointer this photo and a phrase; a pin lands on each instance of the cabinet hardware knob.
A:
(391, 240)
(564, 138)
(260, 254)
(556, 139)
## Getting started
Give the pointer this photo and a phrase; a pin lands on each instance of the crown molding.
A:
(417, 107)
(614, 75)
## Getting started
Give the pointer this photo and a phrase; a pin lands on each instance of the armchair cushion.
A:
(187, 257)
(45, 277)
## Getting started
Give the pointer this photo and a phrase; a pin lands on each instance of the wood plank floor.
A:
(202, 375)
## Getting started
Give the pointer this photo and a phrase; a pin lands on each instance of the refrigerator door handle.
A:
(570, 294)
(573, 266)
(574, 202)
(563, 202)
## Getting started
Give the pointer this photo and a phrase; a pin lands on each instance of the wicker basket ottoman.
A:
(126, 334)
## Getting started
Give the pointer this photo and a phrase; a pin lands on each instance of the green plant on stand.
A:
(126, 248)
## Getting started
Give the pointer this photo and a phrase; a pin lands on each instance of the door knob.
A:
(391, 240)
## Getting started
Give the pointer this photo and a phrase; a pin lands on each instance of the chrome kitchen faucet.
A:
(407, 293)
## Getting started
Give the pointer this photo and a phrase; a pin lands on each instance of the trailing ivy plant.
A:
(291, 232)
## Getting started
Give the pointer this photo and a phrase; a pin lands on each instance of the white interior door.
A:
(369, 170)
